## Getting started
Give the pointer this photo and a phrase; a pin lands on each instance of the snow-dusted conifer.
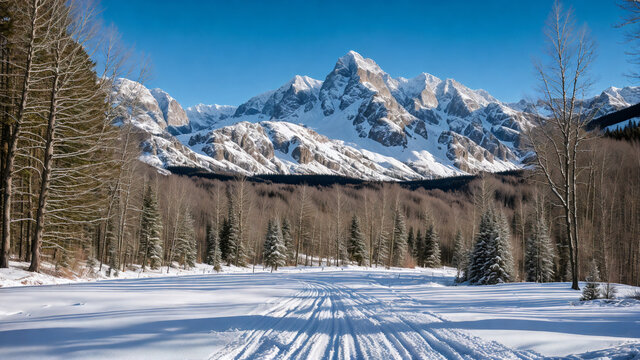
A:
(235, 254)
(185, 251)
(491, 261)
(150, 230)
(418, 248)
(214, 256)
(288, 240)
(499, 266)
(539, 253)
(380, 251)
(431, 245)
(224, 239)
(399, 240)
(592, 290)
(460, 255)
(356, 247)
(275, 252)
(480, 253)
(411, 242)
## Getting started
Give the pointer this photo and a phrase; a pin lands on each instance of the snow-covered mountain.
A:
(358, 122)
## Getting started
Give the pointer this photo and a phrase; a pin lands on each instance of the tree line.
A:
(74, 193)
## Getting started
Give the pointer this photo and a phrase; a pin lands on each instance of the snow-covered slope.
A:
(202, 117)
(313, 313)
(358, 122)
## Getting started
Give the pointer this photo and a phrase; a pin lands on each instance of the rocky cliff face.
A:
(358, 122)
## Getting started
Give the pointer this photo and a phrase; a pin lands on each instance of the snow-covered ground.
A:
(18, 275)
(313, 313)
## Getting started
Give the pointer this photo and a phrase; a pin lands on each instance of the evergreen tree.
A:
(288, 240)
(185, 251)
(539, 253)
(224, 240)
(592, 290)
(411, 241)
(399, 240)
(235, 254)
(431, 255)
(214, 256)
(380, 252)
(275, 252)
(480, 253)
(356, 247)
(491, 261)
(499, 266)
(150, 230)
(418, 248)
(460, 255)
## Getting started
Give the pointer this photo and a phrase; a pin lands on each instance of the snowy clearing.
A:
(353, 313)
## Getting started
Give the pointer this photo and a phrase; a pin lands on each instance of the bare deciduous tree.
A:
(559, 136)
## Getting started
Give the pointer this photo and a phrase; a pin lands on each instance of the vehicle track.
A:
(325, 320)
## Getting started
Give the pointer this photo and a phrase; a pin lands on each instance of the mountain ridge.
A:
(358, 122)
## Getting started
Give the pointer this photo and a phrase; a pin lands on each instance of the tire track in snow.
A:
(328, 321)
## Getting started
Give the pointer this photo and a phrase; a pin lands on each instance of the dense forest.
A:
(74, 193)
(629, 132)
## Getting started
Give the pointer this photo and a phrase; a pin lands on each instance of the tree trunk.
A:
(46, 176)
(7, 175)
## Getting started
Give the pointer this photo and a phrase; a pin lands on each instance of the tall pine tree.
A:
(411, 242)
(398, 243)
(356, 247)
(150, 230)
(418, 248)
(499, 266)
(185, 251)
(214, 256)
(491, 261)
(431, 255)
(539, 253)
(460, 255)
(275, 251)
(235, 248)
(288, 239)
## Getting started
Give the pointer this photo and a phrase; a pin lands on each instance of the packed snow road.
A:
(329, 321)
(351, 314)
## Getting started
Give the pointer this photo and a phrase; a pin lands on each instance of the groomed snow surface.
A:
(308, 313)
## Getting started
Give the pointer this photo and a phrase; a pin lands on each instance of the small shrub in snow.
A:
(609, 291)
(592, 290)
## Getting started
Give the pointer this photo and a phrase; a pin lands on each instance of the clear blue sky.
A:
(224, 52)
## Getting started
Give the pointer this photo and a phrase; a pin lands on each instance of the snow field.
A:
(350, 313)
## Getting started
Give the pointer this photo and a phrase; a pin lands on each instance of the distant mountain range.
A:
(359, 122)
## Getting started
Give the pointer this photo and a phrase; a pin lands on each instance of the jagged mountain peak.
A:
(303, 83)
(174, 115)
(359, 122)
(298, 93)
(353, 62)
